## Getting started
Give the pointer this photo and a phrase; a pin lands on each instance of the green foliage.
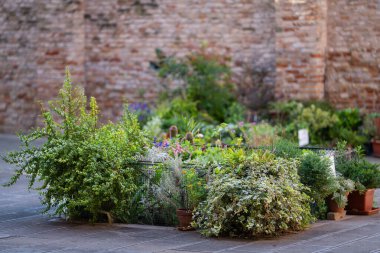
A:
(315, 173)
(286, 149)
(203, 82)
(318, 121)
(195, 187)
(316, 117)
(342, 188)
(348, 127)
(254, 196)
(85, 170)
(183, 114)
(259, 135)
(366, 175)
(350, 118)
(325, 125)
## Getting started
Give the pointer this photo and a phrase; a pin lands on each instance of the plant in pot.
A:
(366, 176)
(337, 201)
(376, 139)
(181, 186)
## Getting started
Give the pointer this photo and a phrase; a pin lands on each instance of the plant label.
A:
(303, 137)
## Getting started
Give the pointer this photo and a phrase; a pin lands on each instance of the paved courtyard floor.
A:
(24, 229)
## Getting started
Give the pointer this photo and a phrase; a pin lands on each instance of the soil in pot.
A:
(361, 202)
(185, 217)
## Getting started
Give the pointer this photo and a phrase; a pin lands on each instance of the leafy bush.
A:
(318, 121)
(203, 81)
(325, 124)
(259, 135)
(260, 196)
(354, 166)
(315, 172)
(85, 169)
(286, 149)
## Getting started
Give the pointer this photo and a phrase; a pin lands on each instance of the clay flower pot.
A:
(361, 202)
(333, 205)
(376, 147)
(185, 217)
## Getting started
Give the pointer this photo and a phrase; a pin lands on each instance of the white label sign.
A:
(303, 137)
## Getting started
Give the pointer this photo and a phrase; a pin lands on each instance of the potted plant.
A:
(366, 176)
(376, 139)
(337, 201)
(181, 186)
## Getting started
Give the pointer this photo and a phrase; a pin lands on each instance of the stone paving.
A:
(24, 229)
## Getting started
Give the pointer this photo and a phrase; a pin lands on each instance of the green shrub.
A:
(203, 81)
(315, 172)
(259, 196)
(286, 149)
(259, 135)
(319, 122)
(85, 169)
(354, 166)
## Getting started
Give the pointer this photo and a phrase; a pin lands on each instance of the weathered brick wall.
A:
(353, 54)
(108, 45)
(37, 40)
(300, 47)
(310, 49)
(121, 38)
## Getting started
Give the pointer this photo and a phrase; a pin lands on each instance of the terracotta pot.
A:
(376, 121)
(361, 202)
(333, 206)
(185, 217)
(376, 148)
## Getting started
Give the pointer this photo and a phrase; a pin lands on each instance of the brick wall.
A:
(108, 45)
(121, 38)
(37, 40)
(300, 48)
(353, 54)
(310, 49)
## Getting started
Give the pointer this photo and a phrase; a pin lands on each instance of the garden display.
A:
(192, 161)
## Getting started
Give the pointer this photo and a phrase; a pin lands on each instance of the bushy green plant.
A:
(354, 166)
(201, 80)
(326, 125)
(348, 127)
(341, 189)
(259, 135)
(85, 169)
(286, 149)
(318, 121)
(315, 172)
(318, 118)
(260, 195)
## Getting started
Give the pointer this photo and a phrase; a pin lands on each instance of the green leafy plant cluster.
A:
(354, 166)
(199, 86)
(85, 170)
(341, 189)
(326, 125)
(255, 195)
(315, 173)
